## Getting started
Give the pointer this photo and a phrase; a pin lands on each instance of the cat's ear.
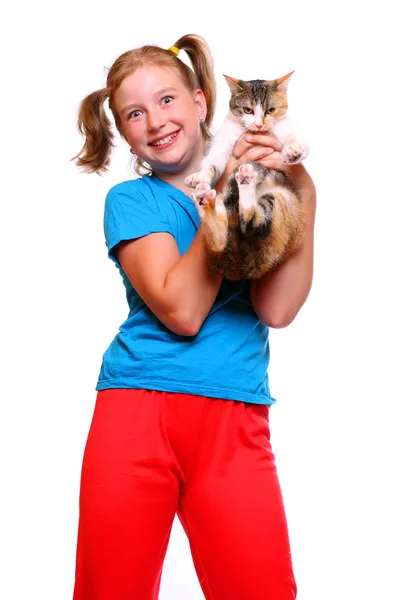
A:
(283, 82)
(233, 84)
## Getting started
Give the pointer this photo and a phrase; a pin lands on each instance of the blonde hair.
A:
(95, 126)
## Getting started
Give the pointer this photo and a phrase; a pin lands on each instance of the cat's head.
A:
(258, 104)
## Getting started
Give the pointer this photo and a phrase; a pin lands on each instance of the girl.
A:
(181, 420)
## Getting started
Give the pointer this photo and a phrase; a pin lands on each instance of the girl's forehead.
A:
(147, 81)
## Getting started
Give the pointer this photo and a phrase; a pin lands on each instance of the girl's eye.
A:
(248, 111)
(135, 113)
(269, 111)
(168, 98)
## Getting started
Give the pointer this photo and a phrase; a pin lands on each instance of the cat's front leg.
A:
(214, 163)
(295, 149)
(213, 217)
(294, 152)
(211, 168)
(203, 176)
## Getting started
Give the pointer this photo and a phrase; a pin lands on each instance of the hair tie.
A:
(174, 50)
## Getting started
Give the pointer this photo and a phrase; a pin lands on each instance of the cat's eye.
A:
(247, 110)
(269, 111)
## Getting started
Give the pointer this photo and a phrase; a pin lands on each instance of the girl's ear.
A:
(201, 105)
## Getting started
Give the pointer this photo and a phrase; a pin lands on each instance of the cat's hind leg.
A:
(250, 213)
(213, 216)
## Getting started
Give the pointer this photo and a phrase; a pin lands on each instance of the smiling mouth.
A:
(165, 141)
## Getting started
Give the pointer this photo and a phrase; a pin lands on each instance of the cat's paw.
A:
(294, 153)
(246, 175)
(203, 197)
(195, 179)
(204, 194)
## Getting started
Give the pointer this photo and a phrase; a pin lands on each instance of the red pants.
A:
(151, 455)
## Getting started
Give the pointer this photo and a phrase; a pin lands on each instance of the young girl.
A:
(181, 420)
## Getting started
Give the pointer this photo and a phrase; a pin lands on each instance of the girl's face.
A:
(160, 118)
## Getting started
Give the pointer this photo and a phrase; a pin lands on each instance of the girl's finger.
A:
(275, 161)
(241, 147)
(256, 154)
(272, 164)
(264, 140)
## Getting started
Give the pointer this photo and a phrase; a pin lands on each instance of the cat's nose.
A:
(259, 125)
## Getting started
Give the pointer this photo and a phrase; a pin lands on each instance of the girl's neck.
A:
(177, 179)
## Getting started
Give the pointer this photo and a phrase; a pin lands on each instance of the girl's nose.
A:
(155, 120)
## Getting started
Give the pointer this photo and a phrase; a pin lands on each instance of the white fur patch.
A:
(286, 129)
(259, 116)
(220, 208)
(222, 145)
(247, 196)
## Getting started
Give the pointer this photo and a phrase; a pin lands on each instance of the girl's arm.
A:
(278, 296)
(179, 290)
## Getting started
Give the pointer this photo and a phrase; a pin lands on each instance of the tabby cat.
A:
(258, 219)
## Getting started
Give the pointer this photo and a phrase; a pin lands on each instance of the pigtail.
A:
(94, 125)
(202, 62)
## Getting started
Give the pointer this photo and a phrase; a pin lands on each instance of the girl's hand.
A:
(297, 173)
(244, 152)
(265, 149)
(261, 147)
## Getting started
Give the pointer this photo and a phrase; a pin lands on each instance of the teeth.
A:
(165, 140)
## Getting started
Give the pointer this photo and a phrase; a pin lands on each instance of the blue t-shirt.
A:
(229, 356)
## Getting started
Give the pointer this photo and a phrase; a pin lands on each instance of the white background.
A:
(345, 372)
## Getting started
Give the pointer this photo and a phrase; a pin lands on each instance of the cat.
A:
(257, 221)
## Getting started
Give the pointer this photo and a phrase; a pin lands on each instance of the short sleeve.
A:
(131, 213)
